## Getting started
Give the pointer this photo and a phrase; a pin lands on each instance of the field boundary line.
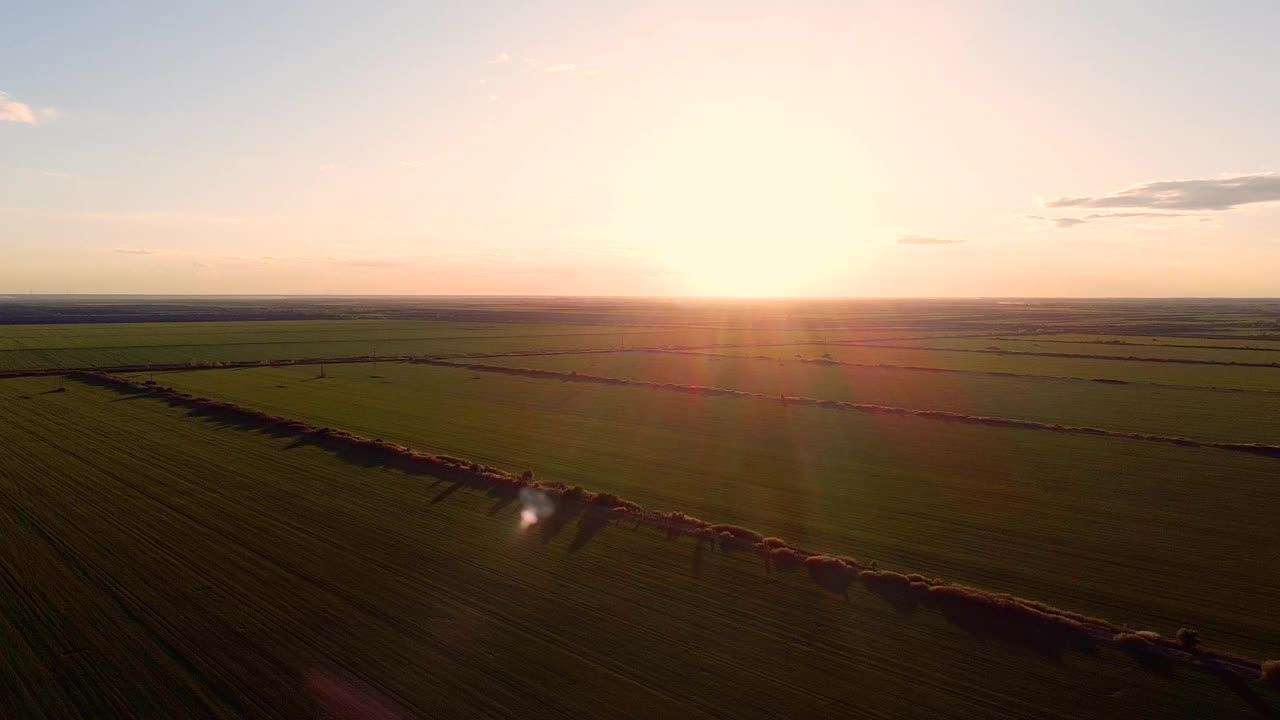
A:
(923, 368)
(1077, 356)
(1126, 343)
(1262, 449)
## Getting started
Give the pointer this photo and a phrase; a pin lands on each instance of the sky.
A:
(606, 148)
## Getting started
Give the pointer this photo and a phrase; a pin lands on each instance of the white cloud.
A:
(910, 239)
(500, 58)
(134, 251)
(1220, 193)
(591, 72)
(562, 67)
(13, 111)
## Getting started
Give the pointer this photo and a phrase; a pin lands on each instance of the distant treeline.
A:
(1025, 621)
(1255, 448)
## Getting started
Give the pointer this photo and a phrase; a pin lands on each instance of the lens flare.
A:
(536, 507)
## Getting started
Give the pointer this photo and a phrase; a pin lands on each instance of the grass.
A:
(1199, 413)
(160, 565)
(1236, 378)
(1102, 349)
(40, 347)
(1166, 340)
(1126, 530)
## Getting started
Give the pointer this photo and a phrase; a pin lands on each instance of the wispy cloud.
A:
(411, 163)
(562, 67)
(911, 239)
(134, 251)
(591, 72)
(372, 262)
(500, 58)
(1220, 193)
(1070, 222)
(55, 174)
(13, 111)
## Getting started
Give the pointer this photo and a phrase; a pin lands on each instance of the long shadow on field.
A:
(1239, 686)
(593, 520)
(901, 598)
(445, 493)
(128, 397)
(1150, 660)
(552, 526)
(988, 627)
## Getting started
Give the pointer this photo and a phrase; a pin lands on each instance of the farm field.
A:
(1221, 376)
(1123, 529)
(156, 564)
(1167, 340)
(40, 347)
(1101, 349)
(1200, 413)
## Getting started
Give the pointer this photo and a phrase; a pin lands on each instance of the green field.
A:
(1128, 530)
(1066, 341)
(1221, 376)
(1201, 413)
(158, 565)
(1099, 349)
(41, 347)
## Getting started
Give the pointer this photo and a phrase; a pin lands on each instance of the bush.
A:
(1271, 673)
(740, 533)
(1132, 641)
(785, 559)
(1189, 639)
(829, 573)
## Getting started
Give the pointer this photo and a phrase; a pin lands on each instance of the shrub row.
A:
(976, 609)
(455, 468)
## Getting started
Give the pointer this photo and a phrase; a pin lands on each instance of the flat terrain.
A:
(41, 347)
(1183, 411)
(1133, 371)
(160, 565)
(1129, 530)
(1166, 341)
(1157, 351)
